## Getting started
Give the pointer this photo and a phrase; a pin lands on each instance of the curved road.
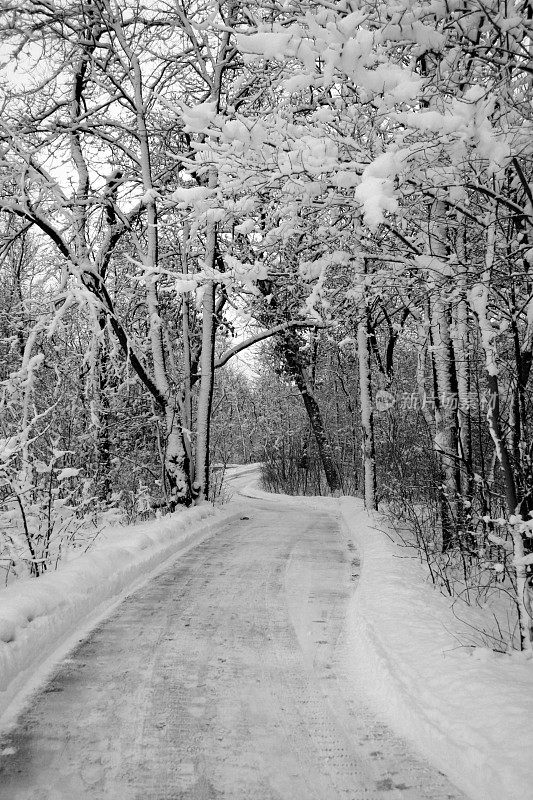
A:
(222, 678)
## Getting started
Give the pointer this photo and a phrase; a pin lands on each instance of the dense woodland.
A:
(297, 233)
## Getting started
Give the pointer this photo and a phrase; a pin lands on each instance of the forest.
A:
(296, 233)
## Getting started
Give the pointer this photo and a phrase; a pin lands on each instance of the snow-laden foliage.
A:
(328, 178)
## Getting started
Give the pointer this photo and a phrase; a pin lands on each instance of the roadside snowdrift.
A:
(468, 710)
(41, 619)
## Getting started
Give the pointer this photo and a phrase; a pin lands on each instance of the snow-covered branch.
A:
(259, 337)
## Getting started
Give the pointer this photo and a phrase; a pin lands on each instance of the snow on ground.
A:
(467, 709)
(41, 619)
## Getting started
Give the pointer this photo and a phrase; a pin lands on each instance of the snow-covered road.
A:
(221, 678)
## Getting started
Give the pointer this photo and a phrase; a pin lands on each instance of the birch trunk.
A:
(446, 427)
(445, 441)
(423, 336)
(479, 299)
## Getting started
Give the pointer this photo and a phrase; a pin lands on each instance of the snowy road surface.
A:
(222, 678)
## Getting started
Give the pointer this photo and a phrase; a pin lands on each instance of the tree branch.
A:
(259, 337)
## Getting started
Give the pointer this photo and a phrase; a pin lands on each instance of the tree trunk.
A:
(298, 373)
(186, 358)
(445, 442)
(207, 361)
(205, 393)
(446, 425)
(511, 498)
(176, 459)
(103, 410)
(460, 342)
(367, 414)
(479, 301)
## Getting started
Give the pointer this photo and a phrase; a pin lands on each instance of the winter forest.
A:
(295, 233)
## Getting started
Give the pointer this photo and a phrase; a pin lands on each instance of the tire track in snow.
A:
(220, 679)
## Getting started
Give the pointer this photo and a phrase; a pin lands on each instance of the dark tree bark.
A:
(297, 371)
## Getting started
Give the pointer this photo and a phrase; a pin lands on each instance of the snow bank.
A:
(468, 710)
(41, 619)
(245, 481)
